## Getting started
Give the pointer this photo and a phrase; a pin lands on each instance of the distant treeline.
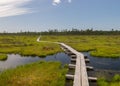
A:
(67, 32)
(81, 32)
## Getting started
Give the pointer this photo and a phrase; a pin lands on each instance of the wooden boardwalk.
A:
(80, 77)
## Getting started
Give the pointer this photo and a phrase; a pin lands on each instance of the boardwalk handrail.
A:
(80, 77)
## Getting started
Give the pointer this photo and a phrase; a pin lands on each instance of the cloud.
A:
(13, 7)
(56, 2)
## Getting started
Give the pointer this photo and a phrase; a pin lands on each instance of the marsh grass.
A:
(98, 45)
(26, 46)
(51, 73)
(3, 56)
(115, 81)
(35, 74)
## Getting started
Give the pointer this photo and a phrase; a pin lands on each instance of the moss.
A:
(114, 82)
(3, 56)
(101, 46)
(27, 46)
(35, 74)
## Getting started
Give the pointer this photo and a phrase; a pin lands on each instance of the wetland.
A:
(21, 54)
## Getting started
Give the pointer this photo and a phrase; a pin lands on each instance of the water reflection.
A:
(15, 60)
(103, 63)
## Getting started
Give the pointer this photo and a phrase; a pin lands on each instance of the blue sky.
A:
(42, 15)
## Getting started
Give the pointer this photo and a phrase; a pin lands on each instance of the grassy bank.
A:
(100, 45)
(34, 74)
(114, 82)
(3, 56)
(26, 45)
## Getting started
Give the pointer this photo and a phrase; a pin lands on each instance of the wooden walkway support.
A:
(80, 77)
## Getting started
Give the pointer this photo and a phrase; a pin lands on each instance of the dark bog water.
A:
(15, 60)
(103, 67)
(103, 63)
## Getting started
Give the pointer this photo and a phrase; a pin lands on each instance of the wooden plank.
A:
(77, 78)
(69, 76)
(87, 60)
(80, 77)
(92, 78)
(71, 65)
(83, 71)
(89, 68)
(74, 60)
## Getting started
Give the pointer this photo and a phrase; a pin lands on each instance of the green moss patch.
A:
(34, 74)
(3, 56)
(114, 82)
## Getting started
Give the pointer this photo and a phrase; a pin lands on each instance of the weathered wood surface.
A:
(80, 77)
(92, 78)
(69, 76)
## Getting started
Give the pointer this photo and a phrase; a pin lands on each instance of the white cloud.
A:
(56, 2)
(13, 7)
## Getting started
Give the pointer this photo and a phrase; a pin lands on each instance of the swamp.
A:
(47, 63)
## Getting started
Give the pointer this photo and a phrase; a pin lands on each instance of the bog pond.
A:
(103, 63)
(14, 60)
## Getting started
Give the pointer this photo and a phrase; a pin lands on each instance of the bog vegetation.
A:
(115, 81)
(51, 72)
(97, 45)
(3, 56)
(25, 45)
(35, 74)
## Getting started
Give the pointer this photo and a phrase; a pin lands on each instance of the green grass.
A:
(34, 74)
(26, 45)
(3, 56)
(114, 82)
(100, 45)
(51, 73)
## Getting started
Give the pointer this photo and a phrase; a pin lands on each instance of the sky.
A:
(43, 15)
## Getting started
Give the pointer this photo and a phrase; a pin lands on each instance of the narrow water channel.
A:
(14, 60)
(103, 67)
(103, 63)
